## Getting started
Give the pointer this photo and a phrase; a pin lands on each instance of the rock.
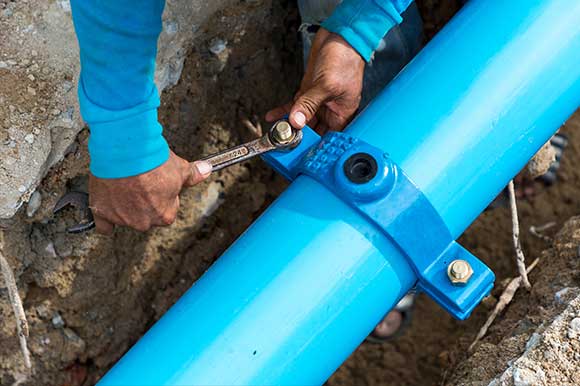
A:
(51, 252)
(527, 377)
(7, 12)
(43, 311)
(541, 162)
(217, 46)
(574, 329)
(33, 203)
(29, 138)
(57, 320)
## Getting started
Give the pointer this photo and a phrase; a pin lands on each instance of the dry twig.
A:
(538, 231)
(254, 129)
(16, 302)
(520, 258)
(505, 299)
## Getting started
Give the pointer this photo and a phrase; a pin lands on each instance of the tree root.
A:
(520, 258)
(16, 302)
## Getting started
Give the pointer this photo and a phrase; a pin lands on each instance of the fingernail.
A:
(300, 118)
(203, 167)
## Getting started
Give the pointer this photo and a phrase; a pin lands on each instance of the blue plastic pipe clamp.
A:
(291, 299)
(368, 180)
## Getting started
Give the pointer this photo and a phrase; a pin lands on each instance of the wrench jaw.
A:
(281, 136)
(79, 201)
(286, 145)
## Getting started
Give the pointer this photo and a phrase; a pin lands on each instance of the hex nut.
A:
(283, 132)
(459, 272)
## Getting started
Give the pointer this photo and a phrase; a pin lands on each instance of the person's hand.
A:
(330, 91)
(146, 200)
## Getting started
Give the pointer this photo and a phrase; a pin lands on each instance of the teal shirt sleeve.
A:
(364, 23)
(117, 95)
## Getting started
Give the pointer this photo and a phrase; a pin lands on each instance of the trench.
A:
(109, 291)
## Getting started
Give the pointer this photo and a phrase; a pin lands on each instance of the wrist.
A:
(124, 143)
(363, 23)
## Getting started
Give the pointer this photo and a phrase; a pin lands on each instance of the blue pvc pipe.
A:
(304, 285)
(486, 93)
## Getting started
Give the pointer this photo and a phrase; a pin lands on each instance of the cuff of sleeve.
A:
(126, 142)
(363, 23)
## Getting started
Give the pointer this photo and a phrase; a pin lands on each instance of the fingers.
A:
(102, 226)
(195, 172)
(306, 106)
(278, 112)
(168, 216)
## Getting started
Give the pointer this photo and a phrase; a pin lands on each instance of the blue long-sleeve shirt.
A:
(117, 95)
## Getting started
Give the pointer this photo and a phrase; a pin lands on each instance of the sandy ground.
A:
(89, 298)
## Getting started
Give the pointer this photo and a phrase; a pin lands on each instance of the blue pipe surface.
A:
(303, 286)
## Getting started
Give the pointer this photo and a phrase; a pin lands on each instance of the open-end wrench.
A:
(280, 136)
(80, 201)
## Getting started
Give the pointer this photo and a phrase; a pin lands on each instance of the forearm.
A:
(117, 95)
(363, 23)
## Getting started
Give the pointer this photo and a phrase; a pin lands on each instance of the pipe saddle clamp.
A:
(369, 181)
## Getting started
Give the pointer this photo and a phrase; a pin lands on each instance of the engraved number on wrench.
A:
(251, 149)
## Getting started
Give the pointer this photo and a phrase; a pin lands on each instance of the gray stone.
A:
(217, 46)
(57, 320)
(33, 203)
(527, 377)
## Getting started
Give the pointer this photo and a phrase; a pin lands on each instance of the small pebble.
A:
(171, 27)
(67, 86)
(64, 5)
(50, 250)
(31, 91)
(31, 77)
(57, 320)
(29, 138)
(217, 46)
(575, 325)
(42, 311)
(22, 188)
(33, 203)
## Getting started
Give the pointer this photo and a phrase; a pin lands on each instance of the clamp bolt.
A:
(459, 272)
(283, 132)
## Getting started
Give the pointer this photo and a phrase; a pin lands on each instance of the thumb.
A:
(306, 106)
(196, 172)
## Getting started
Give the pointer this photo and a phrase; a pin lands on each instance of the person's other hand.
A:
(330, 91)
(146, 200)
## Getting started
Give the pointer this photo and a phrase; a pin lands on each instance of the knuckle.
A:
(168, 219)
(309, 104)
(141, 226)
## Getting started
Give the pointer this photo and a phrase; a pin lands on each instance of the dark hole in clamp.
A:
(360, 168)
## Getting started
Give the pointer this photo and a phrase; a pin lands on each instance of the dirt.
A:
(89, 298)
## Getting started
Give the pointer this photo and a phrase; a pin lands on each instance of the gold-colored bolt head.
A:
(283, 132)
(459, 272)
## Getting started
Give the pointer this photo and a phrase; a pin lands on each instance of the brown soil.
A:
(89, 298)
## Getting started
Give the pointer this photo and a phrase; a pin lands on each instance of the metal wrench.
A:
(80, 201)
(280, 136)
